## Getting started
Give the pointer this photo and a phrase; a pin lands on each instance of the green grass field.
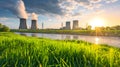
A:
(21, 51)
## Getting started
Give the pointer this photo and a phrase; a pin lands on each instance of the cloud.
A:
(89, 4)
(34, 16)
(48, 7)
(4, 18)
(95, 1)
(14, 6)
(110, 1)
(43, 6)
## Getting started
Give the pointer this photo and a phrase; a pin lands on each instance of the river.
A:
(112, 41)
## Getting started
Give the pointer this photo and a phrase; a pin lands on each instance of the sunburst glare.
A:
(97, 22)
(97, 40)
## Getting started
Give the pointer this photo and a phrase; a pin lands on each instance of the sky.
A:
(54, 12)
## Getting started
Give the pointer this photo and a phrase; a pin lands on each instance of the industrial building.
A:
(23, 24)
(75, 24)
(34, 25)
(68, 26)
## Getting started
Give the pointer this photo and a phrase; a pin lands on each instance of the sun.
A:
(97, 22)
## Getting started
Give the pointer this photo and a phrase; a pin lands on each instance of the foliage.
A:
(0, 25)
(89, 27)
(100, 32)
(21, 51)
(4, 28)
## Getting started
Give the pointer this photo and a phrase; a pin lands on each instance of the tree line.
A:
(4, 28)
(117, 27)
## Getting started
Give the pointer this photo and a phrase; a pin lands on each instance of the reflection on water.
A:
(75, 37)
(68, 37)
(34, 35)
(113, 41)
(23, 34)
(97, 40)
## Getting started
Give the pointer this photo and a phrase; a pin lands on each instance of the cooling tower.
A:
(23, 24)
(68, 27)
(34, 25)
(75, 24)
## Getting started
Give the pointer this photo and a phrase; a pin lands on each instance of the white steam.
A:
(16, 7)
(20, 8)
(34, 16)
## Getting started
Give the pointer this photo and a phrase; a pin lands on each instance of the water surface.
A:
(112, 41)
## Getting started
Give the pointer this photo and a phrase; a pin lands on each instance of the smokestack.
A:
(34, 21)
(75, 24)
(23, 24)
(68, 27)
(42, 25)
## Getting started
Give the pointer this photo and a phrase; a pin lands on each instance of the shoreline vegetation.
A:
(74, 32)
(23, 51)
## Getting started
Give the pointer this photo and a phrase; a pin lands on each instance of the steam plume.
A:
(16, 7)
(34, 16)
(21, 9)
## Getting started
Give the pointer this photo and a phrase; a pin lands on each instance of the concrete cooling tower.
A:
(23, 24)
(75, 24)
(34, 25)
(68, 27)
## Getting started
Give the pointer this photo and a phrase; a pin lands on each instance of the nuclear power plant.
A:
(68, 26)
(23, 24)
(34, 24)
(75, 24)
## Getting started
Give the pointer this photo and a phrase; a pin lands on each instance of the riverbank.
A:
(22, 51)
(112, 41)
(74, 32)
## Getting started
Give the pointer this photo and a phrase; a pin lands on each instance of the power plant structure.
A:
(34, 25)
(68, 26)
(23, 24)
(75, 24)
(42, 25)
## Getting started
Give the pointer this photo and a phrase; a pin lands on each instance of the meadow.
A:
(23, 51)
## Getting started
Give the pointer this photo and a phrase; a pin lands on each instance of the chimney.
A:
(34, 25)
(23, 24)
(42, 25)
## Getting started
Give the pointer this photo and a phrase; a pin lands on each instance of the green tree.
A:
(4, 28)
(117, 27)
(89, 27)
(0, 25)
(107, 28)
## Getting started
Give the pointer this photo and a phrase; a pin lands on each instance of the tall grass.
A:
(21, 51)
